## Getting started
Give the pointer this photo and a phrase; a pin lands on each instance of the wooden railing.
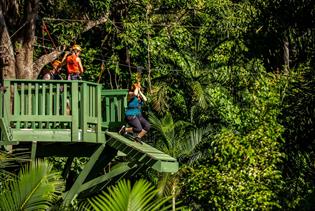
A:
(114, 103)
(47, 105)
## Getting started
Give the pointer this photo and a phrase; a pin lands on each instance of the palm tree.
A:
(123, 197)
(35, 188)
(176, 145)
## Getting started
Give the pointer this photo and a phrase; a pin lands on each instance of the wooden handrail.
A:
(43, 104)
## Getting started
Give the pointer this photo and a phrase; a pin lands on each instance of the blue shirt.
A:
(134, 107)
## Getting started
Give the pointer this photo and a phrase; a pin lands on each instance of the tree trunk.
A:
(26, 39)
(174, 195)
(7, 59)
(286, 56)
(16, 50)
(17, 56)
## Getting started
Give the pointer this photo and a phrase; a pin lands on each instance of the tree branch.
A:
(43, 60)
(90, 24)
(47, 58)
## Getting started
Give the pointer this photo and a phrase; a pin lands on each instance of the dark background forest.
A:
(230, 83)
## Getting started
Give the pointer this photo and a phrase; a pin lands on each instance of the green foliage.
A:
(298, 115)
(217, 86)
(35, 188)
(123, 196)
(240, 169)
(240, 173)
(11, 161)
(92, 68)
(76, 166)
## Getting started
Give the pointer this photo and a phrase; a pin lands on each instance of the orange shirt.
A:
(73, 65)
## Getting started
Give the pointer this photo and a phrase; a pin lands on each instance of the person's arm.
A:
(142, 96)
(140, 93)
(80, 65)
(63, 61)
(136, 92)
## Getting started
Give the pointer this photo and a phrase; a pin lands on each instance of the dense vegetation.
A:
(230, 86)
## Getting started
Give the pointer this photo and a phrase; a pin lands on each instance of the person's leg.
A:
(145, 126)
(136, 127)
(135, 124)
(125, 130)
(75, 77)
(68, 107)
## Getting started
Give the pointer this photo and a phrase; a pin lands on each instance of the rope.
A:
(1, 46)
(69, 20)
(41, 46)
(46, 30)
(101, 72)
(138, 68)
(154, 24)
(18, 29)
(43, 34)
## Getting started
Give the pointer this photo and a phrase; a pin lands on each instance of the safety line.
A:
(18, 29)
(152, 24)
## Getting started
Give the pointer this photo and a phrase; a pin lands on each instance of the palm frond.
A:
(159, 97)
(182, 124)
(199, 95)
(190, 147)
(35, 188)
(164, 126)
(168, 126)
(155, 122)
(164, 189)
(12, 160)
(122, 196)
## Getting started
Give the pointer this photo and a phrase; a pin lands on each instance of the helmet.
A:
(76, 47)
(56, 63)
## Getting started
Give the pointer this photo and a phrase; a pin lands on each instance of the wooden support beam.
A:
(65, 171)
(117, 170)
(33, 151)
(4, 131)
(73, 192)
(104, 159)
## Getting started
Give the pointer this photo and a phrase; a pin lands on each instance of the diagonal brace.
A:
(122, 168)
(73, 192)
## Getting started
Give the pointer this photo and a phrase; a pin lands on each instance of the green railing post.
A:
(75, 110)
(107, 108)
(84, 110)
(98, 128)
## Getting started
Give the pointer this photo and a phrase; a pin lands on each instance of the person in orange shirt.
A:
(74, 64)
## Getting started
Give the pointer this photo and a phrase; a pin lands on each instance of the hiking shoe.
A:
(137, 139)
(122, 130)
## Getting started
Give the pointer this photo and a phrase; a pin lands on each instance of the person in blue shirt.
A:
(133, 115)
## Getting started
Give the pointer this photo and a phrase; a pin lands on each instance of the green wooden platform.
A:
(34, 114)
(143, 152)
